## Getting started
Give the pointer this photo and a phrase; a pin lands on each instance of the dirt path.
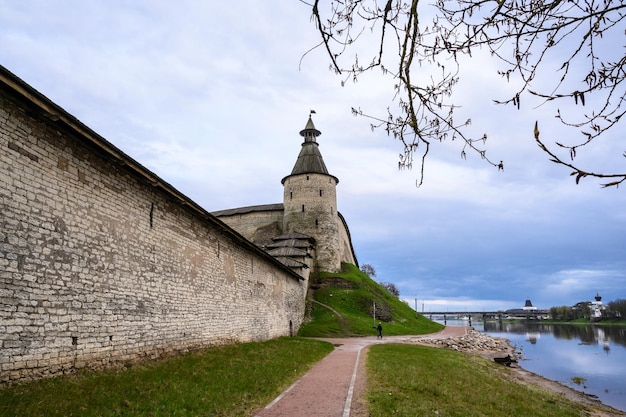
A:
(340, 318)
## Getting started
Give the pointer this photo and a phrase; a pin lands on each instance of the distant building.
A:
(596, 308)
(527, 311)
(528, 306)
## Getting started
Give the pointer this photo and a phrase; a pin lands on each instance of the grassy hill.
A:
(341, 305)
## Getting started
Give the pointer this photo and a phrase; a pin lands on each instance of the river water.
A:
(587, 358)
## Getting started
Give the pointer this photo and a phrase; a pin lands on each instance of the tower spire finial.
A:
(310, 132)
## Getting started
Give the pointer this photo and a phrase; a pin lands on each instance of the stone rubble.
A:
(472, 341)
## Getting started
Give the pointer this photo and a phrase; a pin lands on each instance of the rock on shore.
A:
(472, 341)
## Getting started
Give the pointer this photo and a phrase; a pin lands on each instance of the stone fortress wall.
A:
(311, 208)
(306, 230)
(346, 251)
(102, 262)
(260, 223)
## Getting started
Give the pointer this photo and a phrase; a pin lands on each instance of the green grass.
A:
(410, 380)
(344, 303)
(240, 379)
(233, 380)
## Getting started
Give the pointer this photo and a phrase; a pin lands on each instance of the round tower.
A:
(310, 202)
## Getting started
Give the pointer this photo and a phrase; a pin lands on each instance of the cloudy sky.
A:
(211, 96)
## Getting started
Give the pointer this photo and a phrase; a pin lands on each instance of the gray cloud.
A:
(211, 96)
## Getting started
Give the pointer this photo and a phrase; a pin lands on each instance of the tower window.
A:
(303, 208)
(320, 193)
(316, 223)
(307, 177)
(291, 195)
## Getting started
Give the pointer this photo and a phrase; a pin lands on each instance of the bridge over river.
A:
(485, 315)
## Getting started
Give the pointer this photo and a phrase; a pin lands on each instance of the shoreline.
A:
(488, 347)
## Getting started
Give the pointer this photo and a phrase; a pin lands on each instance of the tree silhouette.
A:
(369, 270)
(524, 37)
(391, 287)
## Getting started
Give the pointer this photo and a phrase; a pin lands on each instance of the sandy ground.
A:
(336, 386)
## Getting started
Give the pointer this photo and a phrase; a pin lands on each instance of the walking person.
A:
(380, 330)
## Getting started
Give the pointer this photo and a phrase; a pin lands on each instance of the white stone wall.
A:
(310, 202)
(98, 266)
(260, 226)
(257, 226)
(345, 244)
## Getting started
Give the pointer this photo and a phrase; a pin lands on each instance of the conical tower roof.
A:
(310, 159)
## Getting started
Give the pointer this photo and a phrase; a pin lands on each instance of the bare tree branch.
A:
(525, 36)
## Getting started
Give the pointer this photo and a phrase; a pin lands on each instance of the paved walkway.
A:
(327, 389)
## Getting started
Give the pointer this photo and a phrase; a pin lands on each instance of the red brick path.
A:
(326, 390)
